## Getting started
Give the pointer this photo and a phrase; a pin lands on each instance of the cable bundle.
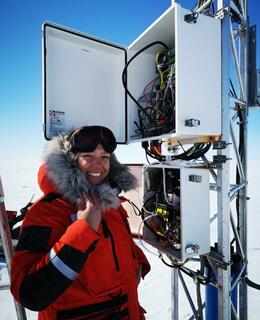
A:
(194, 152)
(156, 106)
(157, 115)
(163, 221)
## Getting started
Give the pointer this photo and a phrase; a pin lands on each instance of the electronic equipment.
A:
(176, 209)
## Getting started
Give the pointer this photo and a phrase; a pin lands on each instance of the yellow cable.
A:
(157, 151)
(159, 69)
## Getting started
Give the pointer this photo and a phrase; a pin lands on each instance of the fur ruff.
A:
(69, 180)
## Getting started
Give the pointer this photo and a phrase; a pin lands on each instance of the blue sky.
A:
(20, 59)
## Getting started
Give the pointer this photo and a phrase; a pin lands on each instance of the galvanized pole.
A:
(223, 181)
(174, 294)
(242, 208)
(174, 273)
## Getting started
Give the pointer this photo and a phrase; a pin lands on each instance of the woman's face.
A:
(95, 165)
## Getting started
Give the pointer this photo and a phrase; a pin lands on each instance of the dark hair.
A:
(87, 138)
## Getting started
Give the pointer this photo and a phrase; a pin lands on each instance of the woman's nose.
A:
(97, 162)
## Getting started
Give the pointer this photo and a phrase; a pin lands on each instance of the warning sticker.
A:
(57, 122)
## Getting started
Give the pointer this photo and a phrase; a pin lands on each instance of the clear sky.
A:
(21, 137)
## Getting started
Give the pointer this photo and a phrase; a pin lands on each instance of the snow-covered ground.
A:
(155, 291)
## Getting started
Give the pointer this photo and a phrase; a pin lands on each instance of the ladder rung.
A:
(8, 249)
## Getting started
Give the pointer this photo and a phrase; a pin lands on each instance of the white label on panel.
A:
(57, 122)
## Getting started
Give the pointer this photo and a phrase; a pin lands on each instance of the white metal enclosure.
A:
(194, 211)
(83, 77)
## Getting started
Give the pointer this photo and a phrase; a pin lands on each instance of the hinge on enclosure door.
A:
(191, 18)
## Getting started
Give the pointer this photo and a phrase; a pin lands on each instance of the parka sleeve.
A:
(142, 260)
(138, 252)
(50, 254)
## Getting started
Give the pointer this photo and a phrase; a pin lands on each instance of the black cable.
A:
(145, 145)
(194, 275)
(252, 284)
(241, 154)
(199, 301)
(134, 206)
(124, 80)
(158, 236)
(167, 264)
(146, 155)
(187, 271)
(138, 127)
(233, 89)
(133, 57)
(152, 155)
(197, 151)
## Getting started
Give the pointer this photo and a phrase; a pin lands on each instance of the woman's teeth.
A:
(95, 174)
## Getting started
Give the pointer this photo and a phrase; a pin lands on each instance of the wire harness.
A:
(156, 105)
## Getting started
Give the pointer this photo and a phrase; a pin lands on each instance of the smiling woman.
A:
(95, 165)
(63, 252)
(93, 146)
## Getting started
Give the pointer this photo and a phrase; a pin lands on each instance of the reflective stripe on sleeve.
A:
(61, 266)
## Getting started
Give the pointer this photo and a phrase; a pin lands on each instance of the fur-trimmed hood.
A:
(69, 181)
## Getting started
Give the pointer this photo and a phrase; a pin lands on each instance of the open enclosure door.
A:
(82, 82)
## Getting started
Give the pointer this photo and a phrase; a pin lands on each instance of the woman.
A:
(75, 258)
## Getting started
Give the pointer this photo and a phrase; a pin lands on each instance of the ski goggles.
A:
(87, 138)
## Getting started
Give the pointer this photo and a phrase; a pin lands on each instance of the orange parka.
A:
(66, 270)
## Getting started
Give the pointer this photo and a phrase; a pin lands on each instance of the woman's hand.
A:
(89, 209)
